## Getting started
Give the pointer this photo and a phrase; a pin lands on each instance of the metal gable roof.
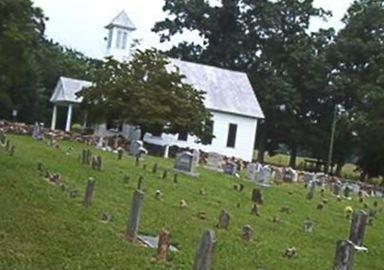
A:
(122, 20)
(66, 90)
(226, 90)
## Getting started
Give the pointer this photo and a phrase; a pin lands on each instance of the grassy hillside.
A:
(42, 227)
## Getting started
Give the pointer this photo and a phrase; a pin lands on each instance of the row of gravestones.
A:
(187, 162)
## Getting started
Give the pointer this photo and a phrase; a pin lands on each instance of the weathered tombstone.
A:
(265, 176)
(357, 231)
(144, 167)
(311, 192)
(99, 162)
(137, 149)
(165, 174)
(215, 162)
(88, 197)
(163, 245)
(344, 256)
(137, 161)
(186, 163)
(37, 132)
(253, 170)
(134, 147)
(230, 168)
(134, 217)
(204, 254)
(224, 220)
(247, 233)
(257, 196)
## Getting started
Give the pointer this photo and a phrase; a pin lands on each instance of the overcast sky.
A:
(79, 24)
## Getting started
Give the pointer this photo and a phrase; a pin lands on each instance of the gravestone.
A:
(230, 168)
(247, 233)
(224, 220)
(311, 192)
(37, 132)
(215, 162)
(186, 163)
(163, 245)
(344, 256)
(290, 175)
(88, 197)
(204, 254)
(253, 170)
(134, 217)
(137, 149)
(265, 176)
(257, 196)
(357, 231)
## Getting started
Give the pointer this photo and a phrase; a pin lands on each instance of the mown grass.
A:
(41, 227)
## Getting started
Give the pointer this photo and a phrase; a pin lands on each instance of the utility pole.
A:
(330, 153)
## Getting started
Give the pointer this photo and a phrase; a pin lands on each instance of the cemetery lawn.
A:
(41, 227)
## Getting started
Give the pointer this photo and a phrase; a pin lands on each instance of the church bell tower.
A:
(120, 37)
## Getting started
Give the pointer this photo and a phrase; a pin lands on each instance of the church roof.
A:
(226, 90)
(122, 20)
(66, 89)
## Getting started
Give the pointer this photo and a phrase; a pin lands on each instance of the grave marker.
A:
(134, 217)
(163, 245)
(215, 162)
(204, 254)
(224, 220)
(186, 163)
(88, 197)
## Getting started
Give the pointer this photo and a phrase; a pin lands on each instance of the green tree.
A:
(358, 59)
(147, 94)
(21, 30)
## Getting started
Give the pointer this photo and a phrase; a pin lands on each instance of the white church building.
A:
(229, 97)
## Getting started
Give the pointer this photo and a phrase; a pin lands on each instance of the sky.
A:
(79, 24)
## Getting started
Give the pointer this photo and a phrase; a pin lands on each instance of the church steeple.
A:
(120, 38)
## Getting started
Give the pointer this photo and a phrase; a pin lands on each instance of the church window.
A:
(232, 135)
